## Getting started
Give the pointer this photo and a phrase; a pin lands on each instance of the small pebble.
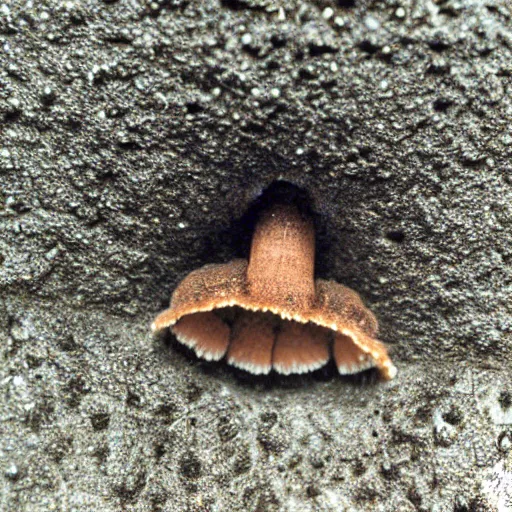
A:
(14, 103)
(18, 380)
(246, 39)
(52, 254)
(505, 443)
(371, 23)
(11, 472)
(327, 13)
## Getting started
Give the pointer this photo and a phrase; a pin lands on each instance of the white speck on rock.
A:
(11, 471)
(246, 39)
(52, 254)
(275, 92)
(20, 332)
(505, 443)
(18, 380)
(371, 23)
(327, 13)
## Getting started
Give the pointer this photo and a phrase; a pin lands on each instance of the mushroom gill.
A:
(270, 313)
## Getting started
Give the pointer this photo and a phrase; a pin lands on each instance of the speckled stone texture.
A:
(134, 134)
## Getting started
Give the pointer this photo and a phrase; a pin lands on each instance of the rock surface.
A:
(134, 135)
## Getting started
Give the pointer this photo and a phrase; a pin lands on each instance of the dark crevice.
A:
(278, 41)
(396, 236)
(317, 50)
(368, 47)
(194, 108)
(347, 4)
(253, 127)
(240, 5)
(438, 46)
(442, 104)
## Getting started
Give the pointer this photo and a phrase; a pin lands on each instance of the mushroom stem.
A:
(282, 259)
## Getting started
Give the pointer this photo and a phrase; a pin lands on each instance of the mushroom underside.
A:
(261, 341)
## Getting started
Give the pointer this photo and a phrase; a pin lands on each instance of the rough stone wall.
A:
(134, 134)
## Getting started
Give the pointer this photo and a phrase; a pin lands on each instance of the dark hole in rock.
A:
(194, 108)
(396, 236)
(442, 104)
(505, 399)
(100, 421)
(454, 416)
(347, 4)
(190, 466)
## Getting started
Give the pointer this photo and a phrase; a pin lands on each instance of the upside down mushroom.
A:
(270, 312)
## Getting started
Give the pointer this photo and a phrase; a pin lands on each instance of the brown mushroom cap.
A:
(280, 317)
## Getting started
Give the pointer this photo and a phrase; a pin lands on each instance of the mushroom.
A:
(270, 312)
